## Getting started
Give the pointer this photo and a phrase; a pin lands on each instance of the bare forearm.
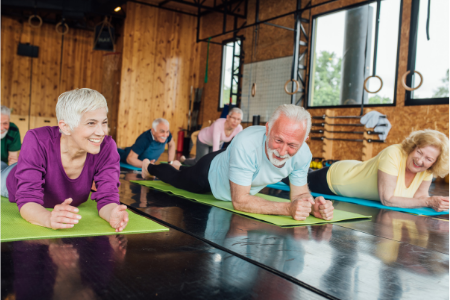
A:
(134, 162)
(36, 214)
(105, 211)
(171, 152)
(405, 202)
(257, 205)
(13, 157)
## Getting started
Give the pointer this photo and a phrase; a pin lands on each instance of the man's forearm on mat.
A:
(171, 152)
(257, 205)
(35, 214)
(134, 162)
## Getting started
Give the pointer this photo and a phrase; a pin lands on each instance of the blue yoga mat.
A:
(129, 167)
(426, 211)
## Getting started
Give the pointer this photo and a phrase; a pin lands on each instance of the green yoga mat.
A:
(283, 221)
(15, 228)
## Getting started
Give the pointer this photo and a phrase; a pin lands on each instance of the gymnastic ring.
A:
(37, 17)
(367, 79)
(62, 32)
(253, 89)
(296, 90)
(404, 81)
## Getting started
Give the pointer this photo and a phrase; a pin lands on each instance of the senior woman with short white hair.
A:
(57, 166)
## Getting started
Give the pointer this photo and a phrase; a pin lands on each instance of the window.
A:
(346, 51)
(429, 57)
(230, 79)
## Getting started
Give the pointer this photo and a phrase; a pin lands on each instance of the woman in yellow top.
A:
(399, 175)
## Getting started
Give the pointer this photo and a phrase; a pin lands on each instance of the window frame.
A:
(412, 54)
(311, 59)
(239, 84)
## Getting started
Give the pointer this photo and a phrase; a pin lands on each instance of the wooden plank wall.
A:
(274, 42)
(210, 25)
(160, 63)
(15, 69)
(52, 74)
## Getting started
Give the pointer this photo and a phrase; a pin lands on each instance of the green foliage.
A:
(442, 91)
(327, 79)
(226, 95)
(379, 100)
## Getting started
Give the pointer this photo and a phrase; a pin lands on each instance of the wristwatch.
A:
(170, 162)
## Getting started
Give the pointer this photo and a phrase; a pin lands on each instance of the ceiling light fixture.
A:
(118, 8)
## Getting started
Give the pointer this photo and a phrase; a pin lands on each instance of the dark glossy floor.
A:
(210, 253)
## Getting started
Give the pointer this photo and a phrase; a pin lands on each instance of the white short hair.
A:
(6, 111)
(73, 104)
(158, 121)
(293, 112)
(236, 110)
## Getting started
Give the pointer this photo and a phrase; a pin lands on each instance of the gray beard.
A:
(274, 161)
(4, 134)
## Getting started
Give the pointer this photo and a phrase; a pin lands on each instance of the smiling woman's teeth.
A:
(95, 140)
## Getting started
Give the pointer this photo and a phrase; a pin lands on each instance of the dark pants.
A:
(317, 181)
(192, 179)
(201, 150)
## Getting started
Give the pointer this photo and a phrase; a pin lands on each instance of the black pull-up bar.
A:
(340, 117)
(336, 124)
(348, 140)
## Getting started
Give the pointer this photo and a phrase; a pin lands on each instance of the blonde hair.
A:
(429, 137)
(73, 104)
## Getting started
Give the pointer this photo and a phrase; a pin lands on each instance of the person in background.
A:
(211, 139)
(400, 175)
(10, 139)
(150, 145)
(59, 164)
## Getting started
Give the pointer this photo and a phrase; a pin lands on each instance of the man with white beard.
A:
(257, 156)
(10, 139)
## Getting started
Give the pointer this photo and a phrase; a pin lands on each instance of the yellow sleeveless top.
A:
(357, 179)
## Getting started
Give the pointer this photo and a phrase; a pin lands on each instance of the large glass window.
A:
(429, 56)
(230, 76)
(345, 52)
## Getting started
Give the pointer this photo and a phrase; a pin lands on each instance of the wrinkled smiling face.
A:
(161, 133)
(275, 158)
(284, 140)
(5, 125)
(91, 131)
(421, 159)
(234, 120)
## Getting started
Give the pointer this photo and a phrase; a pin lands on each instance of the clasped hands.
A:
(66, 216)
(304, 205)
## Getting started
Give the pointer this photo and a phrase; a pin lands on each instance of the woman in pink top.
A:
(210, 139)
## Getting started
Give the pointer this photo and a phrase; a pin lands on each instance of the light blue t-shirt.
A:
(245, 163)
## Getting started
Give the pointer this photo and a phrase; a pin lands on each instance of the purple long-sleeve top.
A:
(40, 177)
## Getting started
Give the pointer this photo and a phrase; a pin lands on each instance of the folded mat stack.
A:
(15, 228)
(425, 211)
(282, 221)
